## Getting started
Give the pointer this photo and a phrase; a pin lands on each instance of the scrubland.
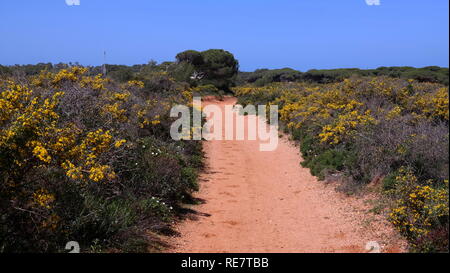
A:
(89, 158)
(85, 158)
(374, 130)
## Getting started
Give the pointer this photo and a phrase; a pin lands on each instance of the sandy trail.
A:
(266, 202)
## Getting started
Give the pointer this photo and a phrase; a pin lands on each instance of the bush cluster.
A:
(85, 158)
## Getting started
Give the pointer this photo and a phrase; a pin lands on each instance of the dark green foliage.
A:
(389, 181)
(332, 75)
(190, 56)
(321, 160)
(426, 74)
(215, 66)
(330, 160)
(5, 71)
(221, 69)
(189, 177)
(261, 77)
(120, 73)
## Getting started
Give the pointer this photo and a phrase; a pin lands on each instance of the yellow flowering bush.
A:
(139, 84)
(362, 129)
(75, 159)
(345, 125)
(43, 198)
(419, 209)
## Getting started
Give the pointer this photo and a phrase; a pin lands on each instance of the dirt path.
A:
(266, 202)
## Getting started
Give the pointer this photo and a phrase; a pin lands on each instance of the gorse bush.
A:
(421, 211)
(372, 128)
(81, 158)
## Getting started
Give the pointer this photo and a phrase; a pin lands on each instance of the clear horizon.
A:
(302, 35)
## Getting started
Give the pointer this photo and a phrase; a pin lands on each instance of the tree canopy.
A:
(215, 66)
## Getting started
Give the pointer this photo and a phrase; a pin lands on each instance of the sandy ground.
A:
(266, 202)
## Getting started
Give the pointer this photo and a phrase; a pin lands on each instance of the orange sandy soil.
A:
(257, 202)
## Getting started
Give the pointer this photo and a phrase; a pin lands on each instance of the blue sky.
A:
(302, 34)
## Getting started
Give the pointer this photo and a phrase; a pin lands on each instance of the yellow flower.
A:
(119, 143)
(40, 152)
(99, 173)
(139, 84)
(43, 198)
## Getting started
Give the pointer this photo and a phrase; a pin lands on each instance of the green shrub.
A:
(389, 181)
(189, 176)
(331, 160)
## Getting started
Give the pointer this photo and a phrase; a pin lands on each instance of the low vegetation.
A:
(369, 129)
(262, 77)
(85, 158)
(89, 158)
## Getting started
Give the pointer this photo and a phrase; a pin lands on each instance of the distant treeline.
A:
(262, 77)
(214, 67)
(182, 70)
